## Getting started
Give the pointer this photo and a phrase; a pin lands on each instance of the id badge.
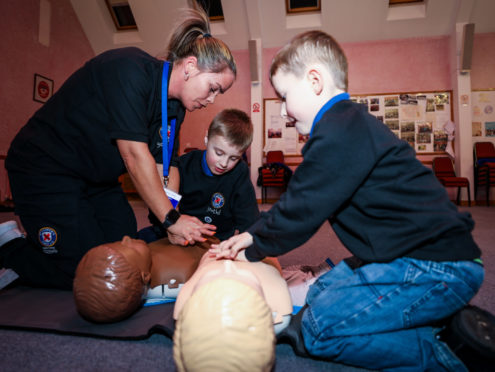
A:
(173, 197)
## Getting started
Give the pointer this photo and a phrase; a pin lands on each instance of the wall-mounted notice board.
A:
(279, 133)
(417, 117)
(483, 104)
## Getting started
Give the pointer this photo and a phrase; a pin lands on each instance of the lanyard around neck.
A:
(168, 131)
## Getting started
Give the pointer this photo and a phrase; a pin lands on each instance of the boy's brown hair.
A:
(310, 47)
(235, 126)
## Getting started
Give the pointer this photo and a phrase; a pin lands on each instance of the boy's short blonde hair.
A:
(235, 126)
(310, 47)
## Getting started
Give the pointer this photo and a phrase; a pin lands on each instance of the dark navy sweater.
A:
(380, 200)
(227, 201)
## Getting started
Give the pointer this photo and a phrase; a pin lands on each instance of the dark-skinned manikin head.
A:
(112, 279)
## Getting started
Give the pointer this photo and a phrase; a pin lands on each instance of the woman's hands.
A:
(188, 230)
(145, 177)
(232, 247)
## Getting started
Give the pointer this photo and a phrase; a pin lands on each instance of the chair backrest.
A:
(189, 149)
(443, 167)
(275, 157)
(484, 150)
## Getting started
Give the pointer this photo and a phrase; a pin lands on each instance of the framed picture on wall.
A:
(43, 88)
(299, 6)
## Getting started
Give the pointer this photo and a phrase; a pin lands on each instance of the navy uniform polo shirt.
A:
(227, 201)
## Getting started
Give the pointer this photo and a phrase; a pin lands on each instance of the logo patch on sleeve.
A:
(47, 236)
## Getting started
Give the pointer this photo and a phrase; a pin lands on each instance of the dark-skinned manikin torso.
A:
(112, 280)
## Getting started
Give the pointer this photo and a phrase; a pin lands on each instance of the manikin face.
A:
(231, 269)
(262, 277)
(137, 252)
(201, 88)
(298, 97)
(221, 156)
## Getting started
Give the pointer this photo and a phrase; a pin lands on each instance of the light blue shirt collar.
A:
(204, 165)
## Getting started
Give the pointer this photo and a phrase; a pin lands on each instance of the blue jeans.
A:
(380, 315)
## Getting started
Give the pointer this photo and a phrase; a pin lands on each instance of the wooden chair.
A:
(274, 173)
(444, 170)
(484, 167)
(189, 149)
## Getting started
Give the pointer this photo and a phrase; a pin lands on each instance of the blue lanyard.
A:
(168, 132)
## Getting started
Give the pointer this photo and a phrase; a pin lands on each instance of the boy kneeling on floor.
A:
(416, 262)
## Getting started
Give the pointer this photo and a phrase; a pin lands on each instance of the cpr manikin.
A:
(112, 280)
(172, 265)
(227, 304)
(265, 275)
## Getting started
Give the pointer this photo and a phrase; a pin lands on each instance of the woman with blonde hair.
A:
(104, 121)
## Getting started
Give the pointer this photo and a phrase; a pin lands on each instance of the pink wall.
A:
(23, 56)
(406, 65)
(483, 62)
(374, 67)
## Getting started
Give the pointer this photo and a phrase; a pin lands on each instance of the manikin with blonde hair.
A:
(228, 303)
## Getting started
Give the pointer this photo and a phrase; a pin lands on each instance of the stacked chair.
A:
(274, 173)
(484, 167)
(445, 172)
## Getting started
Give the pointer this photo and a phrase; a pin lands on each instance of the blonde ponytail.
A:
(192, 37)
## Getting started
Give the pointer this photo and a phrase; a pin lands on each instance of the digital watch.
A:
(171, 218)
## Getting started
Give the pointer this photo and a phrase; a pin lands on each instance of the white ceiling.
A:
(346, 20)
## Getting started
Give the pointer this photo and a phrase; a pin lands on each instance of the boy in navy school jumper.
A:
(416, 261)
(215, 185)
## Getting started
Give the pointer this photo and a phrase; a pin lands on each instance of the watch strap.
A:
(171, 218)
